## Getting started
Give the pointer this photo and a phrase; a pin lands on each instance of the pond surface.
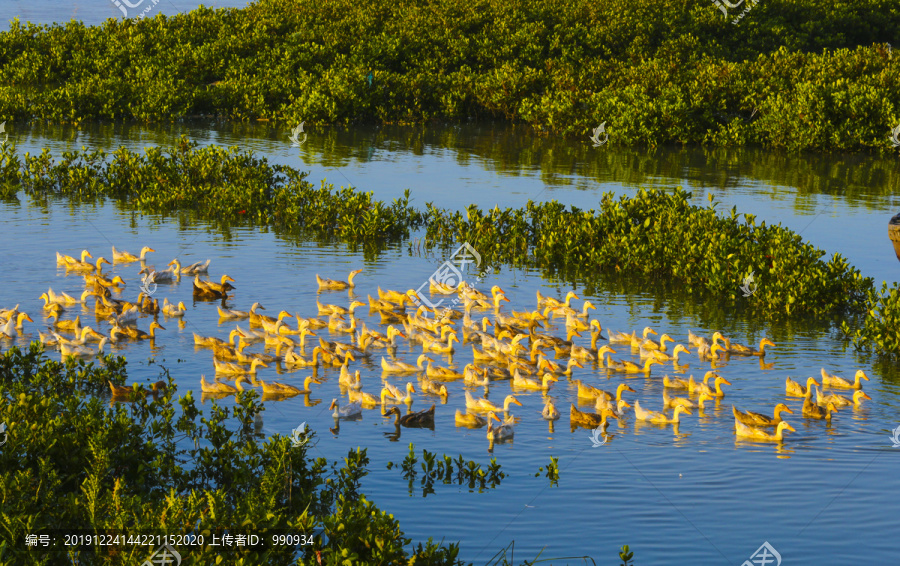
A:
(95, 12)
(694, 495)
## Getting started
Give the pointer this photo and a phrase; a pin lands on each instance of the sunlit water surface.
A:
(695, 496)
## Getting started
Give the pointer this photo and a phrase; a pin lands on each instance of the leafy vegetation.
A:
(552, 471)
(797, 75)
(70, 460)
(468, 472)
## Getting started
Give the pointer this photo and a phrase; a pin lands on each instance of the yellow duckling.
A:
(292, 359)
(334, 285)
(520, 382)
(220, 287)
(589, 420)
(336, 323)
(367, 400)
(402, 367)
(757, 419)
(543, 301)
(670, 402)
(85, 267)
(217, 387)
(625, 338)
(395, 296)
(617, 408)
(125, 257)
(234, 369)
(837, 382)
(336, 309)
(697, 341)
(717, 392)
(99, 283)
(794, 389)
(618, 395)
(136, 391)
(442, 373)
(68, 325)
(64, 259)
(134, 333)
(650, 344)
(433, 388)
(227, 314)
(173, 311)
(208, 341)
(659, 418)
(840, 400)
(435, 346)
(746, 431)
(397, 394)
(546, 365)
(550, 412)
(63, 299)
(663, 356)
(469, 420)
(483, 405)
(273, 326)
(814, 411)
(631, 367)
(566, 311)
(742, 350)
(587, 391)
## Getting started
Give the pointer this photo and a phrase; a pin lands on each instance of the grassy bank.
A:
(796, 75)
(656, 234)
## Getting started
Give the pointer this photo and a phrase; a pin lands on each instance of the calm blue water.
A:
(696, 496)
(95, 12)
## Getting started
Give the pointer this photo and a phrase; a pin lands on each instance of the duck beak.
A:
(516, 401)
(788, 410)
(865, 395)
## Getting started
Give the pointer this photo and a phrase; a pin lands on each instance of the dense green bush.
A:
(72, 462)
(795, 75)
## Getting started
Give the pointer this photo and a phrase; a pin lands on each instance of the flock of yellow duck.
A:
(509, 349)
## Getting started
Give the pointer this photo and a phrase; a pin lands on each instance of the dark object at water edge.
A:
(894, 233)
